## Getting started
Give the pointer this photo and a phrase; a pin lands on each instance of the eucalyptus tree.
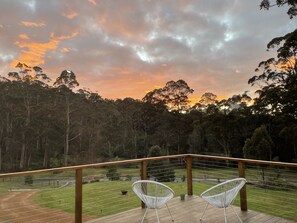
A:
(5, 120)
(28, 82)
(132, 133)
(207, 102)
(65, 83)
(89, 121)
(237, 102)
(111, 130)
(174, 95)
(150, 118)
(278, 78)
(291, 4)
(197, 138)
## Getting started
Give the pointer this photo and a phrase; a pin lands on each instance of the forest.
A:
(45, 123)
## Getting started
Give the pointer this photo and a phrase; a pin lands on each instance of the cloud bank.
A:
(126, 48)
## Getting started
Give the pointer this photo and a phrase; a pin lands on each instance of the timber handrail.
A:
(123, 162)
(264, 162)
(93, 165)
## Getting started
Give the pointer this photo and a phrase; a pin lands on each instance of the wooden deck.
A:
(189, 211)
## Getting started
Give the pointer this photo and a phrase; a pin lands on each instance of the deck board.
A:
(189, 211)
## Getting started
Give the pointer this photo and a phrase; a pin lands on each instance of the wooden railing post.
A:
(78, 196)
(143, 176)
(243, 197)
(189, 175)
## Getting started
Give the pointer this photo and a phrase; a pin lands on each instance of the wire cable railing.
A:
(86, 192)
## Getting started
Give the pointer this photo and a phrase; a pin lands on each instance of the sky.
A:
(125, 48)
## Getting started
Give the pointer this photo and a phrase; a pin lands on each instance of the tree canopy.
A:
(174, 95)
(43, 125)
(292, 5)
(278, 78)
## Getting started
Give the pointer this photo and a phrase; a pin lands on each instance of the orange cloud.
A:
(93, 2)
(33, 24)
(74, 34)
(65, 50)
(70, 15)
(33, 53)
(23, 36)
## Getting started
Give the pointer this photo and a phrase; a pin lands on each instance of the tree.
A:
(29, 74)
(208, 98)
(259, 146)
(160, 169)
(28, 82)
(112, 173)
(174, 95)
(132, 134)
(292, 4)
(289, 134)
(278, 92)
(66, 82)
(197, 138)
(208, 101)
(237, 102)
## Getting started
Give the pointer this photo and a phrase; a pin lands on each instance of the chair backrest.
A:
(223, 194)
(152, 193)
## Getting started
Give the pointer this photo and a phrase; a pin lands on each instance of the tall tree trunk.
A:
(110, 155)
(29, 159)
(135, 145)
(45, 154)
(66, 143)
(1, 143)
(23, 151)
(27, 122)
(0, 156)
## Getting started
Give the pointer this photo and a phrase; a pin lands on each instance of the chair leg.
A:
(170, 213)
(225, 214)
(204, 211)
(236, 214)
(157, 215)
(144, 215)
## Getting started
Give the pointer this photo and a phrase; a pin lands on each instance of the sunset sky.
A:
(124, 48)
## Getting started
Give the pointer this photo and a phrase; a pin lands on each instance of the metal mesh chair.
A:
(223, 195)
(155, 195)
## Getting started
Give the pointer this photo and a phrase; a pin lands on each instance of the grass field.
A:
(104, 198)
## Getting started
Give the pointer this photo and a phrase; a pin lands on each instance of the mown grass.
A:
(104, 198)
(100, 199)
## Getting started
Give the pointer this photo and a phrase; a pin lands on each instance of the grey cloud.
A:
(185, 39)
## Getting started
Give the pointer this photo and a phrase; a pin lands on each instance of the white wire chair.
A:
(155, 195)
(223, 195)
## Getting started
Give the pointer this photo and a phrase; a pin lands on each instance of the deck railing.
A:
(198, 168)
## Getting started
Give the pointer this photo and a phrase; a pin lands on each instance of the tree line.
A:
(47, 124)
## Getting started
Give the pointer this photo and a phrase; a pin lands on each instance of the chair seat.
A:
(155, 195)
(223, 194)
(155, 202)
(221, 200)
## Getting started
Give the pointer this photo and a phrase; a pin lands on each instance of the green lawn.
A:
(104, 198)
(99, 199)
